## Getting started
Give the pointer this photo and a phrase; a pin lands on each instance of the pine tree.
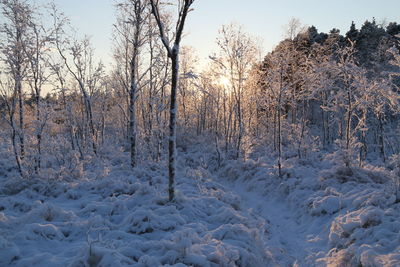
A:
(353, 33)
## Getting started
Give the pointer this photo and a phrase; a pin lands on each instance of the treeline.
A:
(321, 90)
(314, 91)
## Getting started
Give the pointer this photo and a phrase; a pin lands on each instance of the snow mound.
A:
(125, 219)
(333, 215)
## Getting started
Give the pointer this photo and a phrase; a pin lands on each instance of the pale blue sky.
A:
(262, 18)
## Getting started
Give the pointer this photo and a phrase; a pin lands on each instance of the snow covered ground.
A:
(322, 214)
(240, 214)
(124, 219)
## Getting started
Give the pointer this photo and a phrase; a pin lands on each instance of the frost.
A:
(121, 220)
(325, 205)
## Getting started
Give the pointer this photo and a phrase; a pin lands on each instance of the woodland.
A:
(290, 158)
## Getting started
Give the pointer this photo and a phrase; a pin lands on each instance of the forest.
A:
(289, 158)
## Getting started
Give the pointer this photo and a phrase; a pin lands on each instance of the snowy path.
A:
(290, 239)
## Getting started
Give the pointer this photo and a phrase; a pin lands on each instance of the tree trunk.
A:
(172, 124)
(21, 132)
(91, 124)
(348, 121)
(173, 54)
(381, 139)
(279, 141)
(132, 114)
(38, 134)
(13, 138)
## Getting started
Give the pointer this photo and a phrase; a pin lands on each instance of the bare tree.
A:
(37, 54)
(293, 28)
(156, 98)
(278, 89)
(131, 28)
(173, 54)
(188, 61)
(350, 96)
(13, 42)
(9, 98)
(78, 58)
(87, 76)
(237, 55)
(59, 73)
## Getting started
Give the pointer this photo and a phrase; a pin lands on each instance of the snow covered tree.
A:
(293, 28)
(173, 54)
(188, 61)
(37, 53)
(237, 55)
(13, 43)
(8, 96)
(368, 41)
(130, 28)
(81, 67)
(351, 95)
(276, 84)
(78, 59)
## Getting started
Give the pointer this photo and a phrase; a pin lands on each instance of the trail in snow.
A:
(290, 238)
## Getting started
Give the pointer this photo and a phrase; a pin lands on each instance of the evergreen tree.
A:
(393, 28)
(368, 41)
(353, 33)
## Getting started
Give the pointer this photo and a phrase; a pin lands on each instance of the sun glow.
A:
(224, 81)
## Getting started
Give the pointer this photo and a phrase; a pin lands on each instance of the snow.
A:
(122, 220)
(241, 214)
(321, 214)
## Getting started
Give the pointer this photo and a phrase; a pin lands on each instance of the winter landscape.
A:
(157, 157)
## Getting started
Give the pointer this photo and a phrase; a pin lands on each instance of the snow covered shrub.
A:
(395, 166)
(325, 205)
(237, 246)
(37, 231)
(249, 146)
(61, 161)
(47, 213)
(349, 227)
(299, 141)
(14, 185)
(365, 237)
(345, 154)
(343, 258)
(344, 174)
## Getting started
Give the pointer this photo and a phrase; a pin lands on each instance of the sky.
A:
(264, 19)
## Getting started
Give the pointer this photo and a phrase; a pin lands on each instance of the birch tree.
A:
(78, 58)
(236, 58)
(8, 95)
(351, 95)
(37, 53)
(277, 86)
(131, 28)
(13, 41)
(173, 54)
